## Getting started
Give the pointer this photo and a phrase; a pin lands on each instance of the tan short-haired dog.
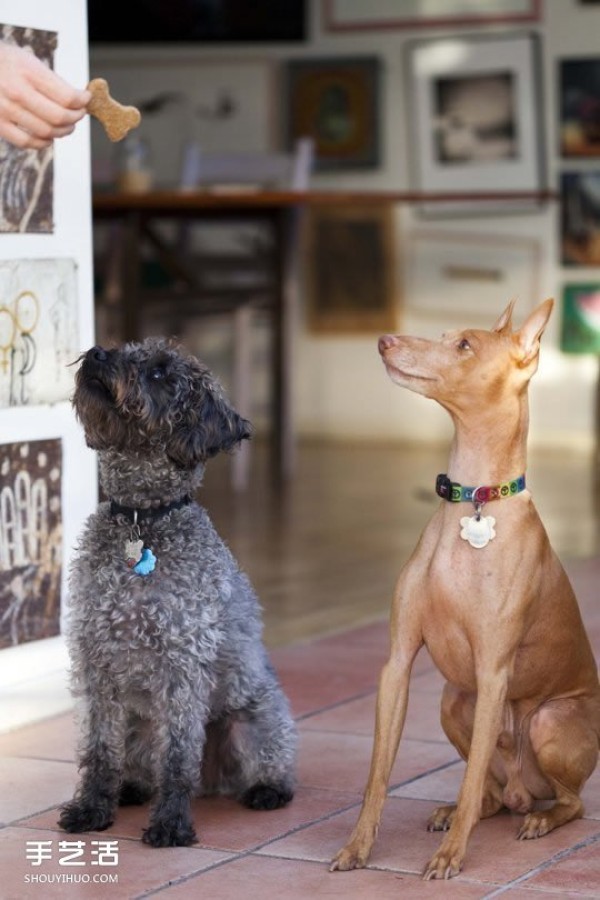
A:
(488, 597)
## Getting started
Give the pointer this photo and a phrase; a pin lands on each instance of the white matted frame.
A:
(475, 120)
(468, 278)
(355, 15)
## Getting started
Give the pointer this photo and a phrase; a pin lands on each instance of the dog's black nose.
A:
(98, 353)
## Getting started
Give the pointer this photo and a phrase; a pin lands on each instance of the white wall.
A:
(341, 389)
(33, 676)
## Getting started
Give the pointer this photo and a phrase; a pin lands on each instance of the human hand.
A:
(36, 104)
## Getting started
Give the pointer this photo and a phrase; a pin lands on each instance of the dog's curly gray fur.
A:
(178, 694)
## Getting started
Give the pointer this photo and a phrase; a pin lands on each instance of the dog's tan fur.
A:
(502, 624)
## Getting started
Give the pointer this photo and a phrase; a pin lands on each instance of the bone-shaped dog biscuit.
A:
(117, 119)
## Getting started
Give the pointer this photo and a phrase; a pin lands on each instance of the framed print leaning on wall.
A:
(475, 119)
(351, 269)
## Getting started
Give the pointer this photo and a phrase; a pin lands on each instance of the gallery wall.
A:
(494, 254)
(47, 475)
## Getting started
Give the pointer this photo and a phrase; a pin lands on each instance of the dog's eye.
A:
(157, 373)
(464, 345)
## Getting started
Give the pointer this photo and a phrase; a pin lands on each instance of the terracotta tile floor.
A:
(284, 854)
(332, 573)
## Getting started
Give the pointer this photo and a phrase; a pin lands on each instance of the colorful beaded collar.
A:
(455, 492)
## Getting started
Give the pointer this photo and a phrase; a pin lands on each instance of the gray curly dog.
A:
(176, 690)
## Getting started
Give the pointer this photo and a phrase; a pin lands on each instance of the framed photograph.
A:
(580, 218)
(355, 15)
(469, 278)
(351, 269)
(474, 118)
(335, 102)
(580, 321)
(580, 107)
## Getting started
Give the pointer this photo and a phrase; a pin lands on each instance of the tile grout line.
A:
(305, 825)
(542, 867)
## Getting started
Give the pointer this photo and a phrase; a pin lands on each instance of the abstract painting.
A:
(26, 176)
(38, 330)
(30, 541)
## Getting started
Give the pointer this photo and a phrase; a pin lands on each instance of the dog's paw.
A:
(170, 834)
(267, 796)
(76, 818)
(132, 794)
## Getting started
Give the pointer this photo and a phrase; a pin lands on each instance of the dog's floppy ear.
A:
(212, 428)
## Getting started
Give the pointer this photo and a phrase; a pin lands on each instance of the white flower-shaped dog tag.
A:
(478, 530)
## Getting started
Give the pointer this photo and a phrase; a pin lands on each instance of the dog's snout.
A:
(386, 342)
(98, 354)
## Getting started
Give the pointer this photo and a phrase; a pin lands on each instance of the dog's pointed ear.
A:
(531, 331)
(214, 428)
(503, 324)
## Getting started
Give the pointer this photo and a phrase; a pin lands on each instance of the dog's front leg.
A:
(101, 759)
(392, 700)
(179, 773)
(491, 695)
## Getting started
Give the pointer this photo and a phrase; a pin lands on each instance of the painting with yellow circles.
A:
(38, 331)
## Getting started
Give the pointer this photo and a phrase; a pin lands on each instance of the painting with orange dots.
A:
(30, 540)
(38, 331)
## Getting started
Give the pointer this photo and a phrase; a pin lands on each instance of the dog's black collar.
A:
(137, 516)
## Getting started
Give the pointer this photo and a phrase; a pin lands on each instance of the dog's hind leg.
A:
(101, 759)
(265, 743)
(564, 737)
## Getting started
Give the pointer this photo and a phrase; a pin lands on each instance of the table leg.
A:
(284, 438)
(131, 274)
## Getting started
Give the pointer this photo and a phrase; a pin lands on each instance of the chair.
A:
(231, 278)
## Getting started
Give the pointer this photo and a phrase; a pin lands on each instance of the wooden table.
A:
(138, 214)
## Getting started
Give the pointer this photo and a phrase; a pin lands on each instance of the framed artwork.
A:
(470, 277)
(474, 118)
(39, 334)
(30, 540)
(580, 107)
(580, 218)
(27, 176)
(355, 15)
(351, 269)
(580, 321)
(335, 102)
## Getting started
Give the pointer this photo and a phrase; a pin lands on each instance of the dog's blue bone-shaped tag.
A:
(146, 564)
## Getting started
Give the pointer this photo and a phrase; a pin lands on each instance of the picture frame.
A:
(580, 318)
(356, 15)
(580, 218)
(470, 112)
(351, 277)
(336, 102)
(466, 277)
(579, 87)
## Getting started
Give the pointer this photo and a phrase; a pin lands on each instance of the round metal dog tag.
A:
(478, 530)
